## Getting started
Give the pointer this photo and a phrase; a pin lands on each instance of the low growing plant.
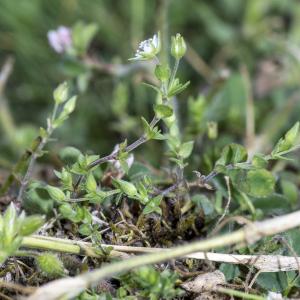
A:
(152, 207)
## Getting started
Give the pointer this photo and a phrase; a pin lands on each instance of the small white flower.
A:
(116, 163)
(274, 296)
(148, 48)
(61, 39)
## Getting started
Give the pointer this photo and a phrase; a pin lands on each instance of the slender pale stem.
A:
(240, 294)
(141, 140)
(248, 234)
(174, 71)
(54, 112)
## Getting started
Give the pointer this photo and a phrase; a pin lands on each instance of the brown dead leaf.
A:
(206, 282)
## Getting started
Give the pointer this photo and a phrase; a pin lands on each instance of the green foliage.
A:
(13, 228)
(230, 271)
(163, 111)
(286, 143)
(231, 155)
(126, 187)
(149, 283)
(155, 192)
(69, 155)
(82, 35)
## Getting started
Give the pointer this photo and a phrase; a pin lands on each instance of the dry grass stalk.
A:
(69, 287)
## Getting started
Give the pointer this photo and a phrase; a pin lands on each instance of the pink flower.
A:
(61, 39)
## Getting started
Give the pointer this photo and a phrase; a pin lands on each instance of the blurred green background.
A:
(243, 55)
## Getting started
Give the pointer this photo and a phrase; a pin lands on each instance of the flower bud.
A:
(212, 130)
(126, 187)
(50, 265)
(91, 184)
(60, 94)
(55, 193)
(66, 179)
(70, 105)
(178, 47)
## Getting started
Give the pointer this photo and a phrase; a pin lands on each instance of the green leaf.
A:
(287, 142)
(294, 239)
(232, 154)
(177, 88)
(43, 132)
(163, 111)
(85, 229)
(290, 191)
(291, 136)
(139, 171)
(230, 271)
(276, 282)
(152, 87)
(162, 72)
(68, 212)
(37, 200)
(257, 183)
(274, 204)
(186, 149)
(147, 128)
(66, 180)
(153, 205)
(69, 155)
(152, 133)
(204, 203)
(56, 193)
(259, 161)
(82, 35)
(31, 224)
(91, 184)
(126, 187)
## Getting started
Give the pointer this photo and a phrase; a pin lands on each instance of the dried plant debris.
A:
(207, 282)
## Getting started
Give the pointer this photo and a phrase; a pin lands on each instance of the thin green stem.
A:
(54, 112)
(27, 253)
(163, 25)
(174, 71)
(240, 294)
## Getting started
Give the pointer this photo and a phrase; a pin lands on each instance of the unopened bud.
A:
(178, 47)
(60, 94)
(55, 193)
